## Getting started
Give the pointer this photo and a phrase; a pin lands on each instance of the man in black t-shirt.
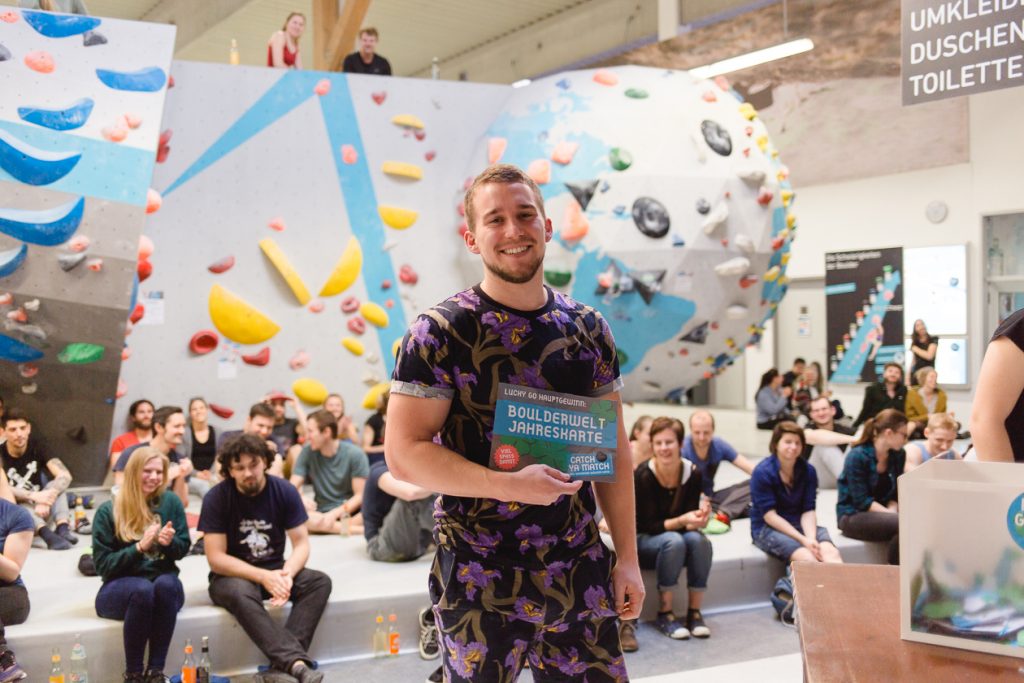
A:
(37, 480)
(366, 60)
(398, 517)
(825, 442)
(246, 519)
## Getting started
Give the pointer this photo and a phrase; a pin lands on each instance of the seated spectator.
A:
(398, 517)
(939, 435)
(200, 446)
(867, 507)
(707, 451)
(670, 513)
(923, 400)
(373, 430)
(335, 405)
(137, 539)
(261, 423)
(336, 469)
(5, 487)
(793, 375)
(826, 442)
(889, 392)
(288, 431)
(283, 46)
(38, 481)
(365, 60)
(997, 415)
(16, 531)
(169, 427)
(784, 487)
(640, 440)
(246, 519)
(810, 386)
(140, 429)
(772, 400)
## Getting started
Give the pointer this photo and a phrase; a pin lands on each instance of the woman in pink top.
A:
(283, 47)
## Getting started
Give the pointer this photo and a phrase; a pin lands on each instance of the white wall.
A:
(888, 211)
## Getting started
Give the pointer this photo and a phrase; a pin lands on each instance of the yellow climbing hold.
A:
(285, 268)
(346, 270)
(373, 394)
(309, 391)
(394, 347)
(407, 121)
(237, 320)
(787, 197)
(747, 111)
(403, 170)
(772, 274)
(791, 220)
(353, 345)
(785, 257)
(374, 314)
(397, 218)
(762, 142)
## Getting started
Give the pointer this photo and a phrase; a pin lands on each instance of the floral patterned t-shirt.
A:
(460, 350)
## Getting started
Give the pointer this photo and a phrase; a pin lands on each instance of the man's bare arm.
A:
(826, 437)
(61, 476)
(6, 492)
(402, 490)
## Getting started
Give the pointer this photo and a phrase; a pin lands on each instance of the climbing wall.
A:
(80, 115)
(307, 218)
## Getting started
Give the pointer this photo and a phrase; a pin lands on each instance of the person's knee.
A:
(141, 594)
(802, 555)
(672, 542)
(167, 587)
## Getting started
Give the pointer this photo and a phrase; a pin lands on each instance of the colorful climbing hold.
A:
(222, 265)
(80, 353)
(748, 281)
(78, 243)
(148, 79)
(221, 411)
(374, 314)
(356, 325)
(709, 96)
(285, 269)
(772, 274)
(636, 93)
(32, 165)
(396, 217)
(41, 61)
(605, 77)
(309, 390)
(28, 370)
(717, 137)
(559, 278)
(322, 87)
(260, 358)
(575, 225)
(203, 341)
(238, 320)
(620, 159)
(9, 17)
(153, 201)
(496, 149)
(11, 259)
(407, 275)
(18, 315)
(48, 227)
(71, 117)
(540, 171)
(350, 304)
(114, 133)
(349, 155)
(67, 262)
(299, 360)
(94, 264)
(137, 313)
(419, 134)
(53, 25)
(126, 353)
(583, 191)
(407, 121)
(133, 120)
(651, 217)
(379, 97)
(734, 266)
(747, 111)
(385, 285)
(764, 196)
(564, 152)
(346, 270)
(402, 169)
(353, 345)
(316, 306)
(143, 269)
(430, 155)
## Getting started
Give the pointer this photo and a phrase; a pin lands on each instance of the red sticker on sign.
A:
(506, 457)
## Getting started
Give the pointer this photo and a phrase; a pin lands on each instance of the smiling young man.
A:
(520, 572)
(169, 431)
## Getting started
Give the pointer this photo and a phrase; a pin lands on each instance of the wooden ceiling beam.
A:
(343, 33)
(192, 17)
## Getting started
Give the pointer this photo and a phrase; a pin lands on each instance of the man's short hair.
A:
(941, 421)
(261, 410)
(369, 30)
(243, 444)
(163, 414)
(818, 398)
(893, 364)
(15, 414)
(660, 424)
(134, 407)
(502, 174)
(325, 420)
(702, 412)
(799, 361)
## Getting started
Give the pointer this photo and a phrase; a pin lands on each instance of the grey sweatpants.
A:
(58, 511)
(405, 533)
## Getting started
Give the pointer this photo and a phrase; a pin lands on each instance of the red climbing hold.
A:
(385, 285)
(356, 325)
(221, 411)
(389, 303)
(203, 342)
(144, 268)
(349, 304)
(748, 281)
(764, 196)
(221, 266)
(260, 358)
(407, 275)
(277, 224)
(137, 313)
(379, 97)
(429, 156)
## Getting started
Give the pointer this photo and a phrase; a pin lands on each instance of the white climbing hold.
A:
(744, 242)
(717, 217)
(734, 266)
(736, 312)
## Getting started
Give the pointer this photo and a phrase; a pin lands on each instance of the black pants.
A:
(14, 608)
(874, 526)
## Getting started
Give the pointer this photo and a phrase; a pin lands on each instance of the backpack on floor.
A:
(783, 601)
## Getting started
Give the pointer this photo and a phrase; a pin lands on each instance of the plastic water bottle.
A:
(56, 670)
(188, 667)
(205, 665)
(79, 666)
(380, 639)
(393, 638)
(233, 58)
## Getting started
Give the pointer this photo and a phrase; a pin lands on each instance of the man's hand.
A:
(149, 537)
(629, 590)
(185, 467)
(45, 497)
(165, 535)
(540, 485)
(205, 475)
(278, 582)
(42, 510)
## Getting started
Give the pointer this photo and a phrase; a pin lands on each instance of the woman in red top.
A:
(283, 47)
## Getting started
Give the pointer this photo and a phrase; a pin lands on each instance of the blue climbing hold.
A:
(59, 25)
(563, 84)
(15, 351)
(32, 165)
(48, 227)
(149, 79)
(12, 259)
(70, 118)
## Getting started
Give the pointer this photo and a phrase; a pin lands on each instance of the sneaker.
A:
(83, 527)
(429, 648)
(627, 636)
(64, 531)
(134, 677)
(273, 676)
(437, 676)
(10, 670)
(155, 676)
(307, 675)
(667, 624)
(695, 623)
(198, 548)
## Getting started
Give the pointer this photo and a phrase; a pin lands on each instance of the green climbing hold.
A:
(622, 356)
(637, 93)
(557, 278)
(80, 353)
(620, 159)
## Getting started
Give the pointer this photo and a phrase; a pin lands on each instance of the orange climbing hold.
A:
(221, 266)
(153, 201)
(133, 120)
(316, 306)
(605, 77)
(575, 225)
(564, 152)
(145, 247)
(299, 360)
(322, 87)
(40, 61)
(114, 133)
(78, 243)
(203, 341)
(9, 17)
(260, 358)
(94, 264)
(540, 171)
(277, 224)
(495, 149)
(137, 313)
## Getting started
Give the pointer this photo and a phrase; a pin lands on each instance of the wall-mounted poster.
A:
(864, 310)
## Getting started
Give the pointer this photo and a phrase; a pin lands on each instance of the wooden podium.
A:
(849, 624)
